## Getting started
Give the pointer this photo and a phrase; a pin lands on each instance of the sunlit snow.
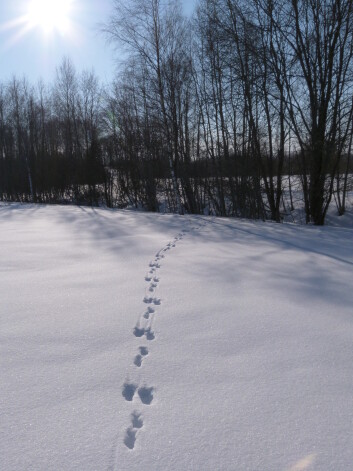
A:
(134, 341)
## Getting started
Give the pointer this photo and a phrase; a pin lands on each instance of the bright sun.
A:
(49, 15)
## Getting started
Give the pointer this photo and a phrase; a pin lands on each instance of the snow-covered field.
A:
(134, 341)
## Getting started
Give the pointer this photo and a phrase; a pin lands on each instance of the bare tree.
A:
(152, 31)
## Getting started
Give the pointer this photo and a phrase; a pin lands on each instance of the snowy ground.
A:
(133, 341)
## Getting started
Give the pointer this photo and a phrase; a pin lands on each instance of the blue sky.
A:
(37, 54)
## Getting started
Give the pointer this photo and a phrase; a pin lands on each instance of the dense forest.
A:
(235, 112)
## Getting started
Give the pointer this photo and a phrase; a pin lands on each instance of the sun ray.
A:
(17, 36)
(14, 23)
(48, 16)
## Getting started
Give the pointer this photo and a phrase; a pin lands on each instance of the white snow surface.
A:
(250, 367)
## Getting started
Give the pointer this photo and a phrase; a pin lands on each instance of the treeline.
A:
(50, 139)
(228, 112)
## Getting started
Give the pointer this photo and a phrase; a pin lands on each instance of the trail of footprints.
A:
(144, 330)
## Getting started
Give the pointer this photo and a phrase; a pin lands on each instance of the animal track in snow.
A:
(129, 390)
(144, 351)
(150, 334)
(130, 435)
(152, 287)
(130, 438)
(136, 419)
(139, 357)
(147, 314)
(146, 395)
(154, 265)
(150, 300)
(138, 360)
(141, 331)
